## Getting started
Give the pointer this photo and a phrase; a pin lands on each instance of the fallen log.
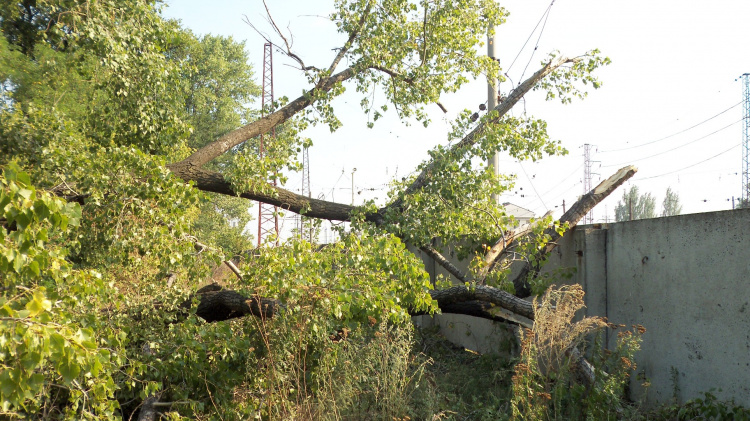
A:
(218, 304)
(509, 241)
(576, 212)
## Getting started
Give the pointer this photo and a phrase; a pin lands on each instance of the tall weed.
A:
(548, 383)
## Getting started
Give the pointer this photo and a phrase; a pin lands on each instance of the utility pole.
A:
(492, 93)
(589, 218)
(305, 232)
(353, 171)
(268, 220)
(746, 140)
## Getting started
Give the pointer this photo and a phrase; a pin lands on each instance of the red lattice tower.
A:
(268, 220)
(305, 228)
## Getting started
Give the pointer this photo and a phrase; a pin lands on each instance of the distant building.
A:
(522, 215)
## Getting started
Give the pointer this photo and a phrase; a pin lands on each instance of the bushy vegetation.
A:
(105, 240)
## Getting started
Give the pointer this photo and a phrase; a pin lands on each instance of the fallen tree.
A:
(190, 169)
(121, 152)
(218, 304)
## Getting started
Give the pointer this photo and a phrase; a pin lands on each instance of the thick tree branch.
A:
(462, 293)
(442, 261)
(265, 124)
(572, 217)
(351, 39)
(190, 168)
(218, 304)
(494, 254)
(211, 181)
(476, 134)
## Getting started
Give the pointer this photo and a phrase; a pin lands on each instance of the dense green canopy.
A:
(125, 140)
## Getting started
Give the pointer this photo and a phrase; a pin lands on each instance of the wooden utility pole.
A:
(630, 207)
(492, 93)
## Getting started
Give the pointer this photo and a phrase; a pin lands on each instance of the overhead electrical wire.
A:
(544, 17)
(559, 195)
(673, 134)
(532, 186)
(564, 179)
(675, 148)
(691, 166)
(547, 13)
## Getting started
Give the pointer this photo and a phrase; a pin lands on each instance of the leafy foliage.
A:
(53, 350)
(99, 98)
(635, 206)
(671, 205)
(708, 407)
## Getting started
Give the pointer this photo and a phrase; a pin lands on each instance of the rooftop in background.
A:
(523, 215)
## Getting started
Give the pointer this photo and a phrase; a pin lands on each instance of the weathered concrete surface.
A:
(479, 335)
(687, 280)
(473, 333)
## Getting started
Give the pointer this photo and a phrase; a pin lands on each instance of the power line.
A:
(546, 13)
(564, 193)
(537, 40)
(674, 134)
(564, 179)
(532, 186)
(690, 166)
(675, 148)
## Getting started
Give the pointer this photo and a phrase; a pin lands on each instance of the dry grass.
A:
(555, 333)
(543, 380)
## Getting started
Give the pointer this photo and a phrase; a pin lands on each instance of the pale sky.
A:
(675, 64)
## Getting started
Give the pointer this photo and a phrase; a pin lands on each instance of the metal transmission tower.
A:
(305, 228)
(589, 218)
(268, 220)
(746, 141)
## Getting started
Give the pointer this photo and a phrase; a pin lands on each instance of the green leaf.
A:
(69, 369)
(38, 304)
(25, 193)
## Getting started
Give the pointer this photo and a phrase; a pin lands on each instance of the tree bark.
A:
(445, 263)
(148, 410)
(572, 217)
(190, 169)
(263, 125)
(493, 255)
(462, 293)
(212, 181)
(219, 304)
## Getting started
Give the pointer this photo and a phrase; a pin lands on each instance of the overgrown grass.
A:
(465, 385)
(549, 382)
(398, 372)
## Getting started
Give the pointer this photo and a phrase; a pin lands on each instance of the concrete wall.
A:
(685, 278)
(480, 335)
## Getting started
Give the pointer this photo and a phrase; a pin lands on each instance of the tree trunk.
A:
(190, 169)
(572, 217)
(218, 304)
